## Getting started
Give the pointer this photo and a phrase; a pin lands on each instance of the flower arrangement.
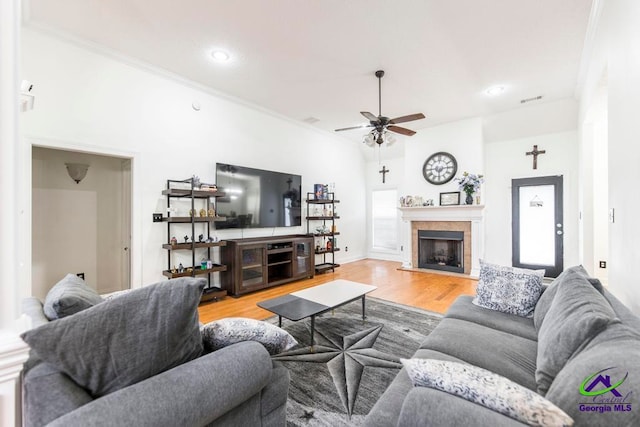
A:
(469, 183)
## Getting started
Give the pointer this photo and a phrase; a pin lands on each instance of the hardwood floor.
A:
(430, 291)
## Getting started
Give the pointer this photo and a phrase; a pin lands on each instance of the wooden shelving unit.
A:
(199, 199)
(326, 246)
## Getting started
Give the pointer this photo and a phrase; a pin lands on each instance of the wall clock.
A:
(440, 168)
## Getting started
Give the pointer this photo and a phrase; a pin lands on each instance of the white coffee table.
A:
(319, 299)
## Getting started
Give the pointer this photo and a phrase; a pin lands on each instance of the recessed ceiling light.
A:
(494, 90)
(220, 55)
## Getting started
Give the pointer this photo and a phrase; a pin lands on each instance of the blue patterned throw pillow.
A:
(486, 388)
(508, 289)
(224, 332)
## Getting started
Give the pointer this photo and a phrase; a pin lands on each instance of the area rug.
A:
(337, 382)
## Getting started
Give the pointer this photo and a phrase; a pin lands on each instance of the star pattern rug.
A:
(337, 382)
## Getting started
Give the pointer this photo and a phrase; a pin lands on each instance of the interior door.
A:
(537, 227)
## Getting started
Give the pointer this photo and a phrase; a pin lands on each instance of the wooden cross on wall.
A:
(384, 173)
(535, 153)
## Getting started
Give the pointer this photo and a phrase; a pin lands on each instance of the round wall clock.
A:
(440, 168)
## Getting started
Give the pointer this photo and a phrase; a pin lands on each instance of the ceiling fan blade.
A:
(403, 131)
(369, 116)
(354, 127)
(409, 118)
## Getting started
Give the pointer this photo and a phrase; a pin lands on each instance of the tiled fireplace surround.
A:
(465, 218)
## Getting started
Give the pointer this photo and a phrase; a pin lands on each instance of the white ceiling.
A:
(317, 58)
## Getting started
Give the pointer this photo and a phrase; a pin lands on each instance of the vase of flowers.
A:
(469, 183)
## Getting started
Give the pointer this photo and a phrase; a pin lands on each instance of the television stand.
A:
(262, 262)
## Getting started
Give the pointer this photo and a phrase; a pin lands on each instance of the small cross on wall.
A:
(535, 153)
(384, 173)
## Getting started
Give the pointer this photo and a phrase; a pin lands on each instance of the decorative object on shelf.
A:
(384, 172)
(211, 213)
(318, 191)
(450, 199)
(191, 212)
(203, 213)
(469, 183)
(383, 126)
(201, 238)
(180, 268)
(429, 202)
(77, 171)
(208, 187)
(329, 244)
(408, 201)
(322, 229)
(174, 241)
(440, 168)
(535, 152)
(186, 239)
(196, 181)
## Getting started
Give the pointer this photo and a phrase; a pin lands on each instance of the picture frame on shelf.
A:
(451, 198)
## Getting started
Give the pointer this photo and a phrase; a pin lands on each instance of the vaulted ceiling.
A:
(315, 60)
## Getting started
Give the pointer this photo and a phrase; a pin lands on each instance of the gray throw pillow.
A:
(231, 330)
(487, 389)
(508, 289)
(69, 296)
(577, 314)
(127, 339)
(547, 296)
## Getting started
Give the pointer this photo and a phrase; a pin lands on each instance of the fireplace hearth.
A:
(441, 250)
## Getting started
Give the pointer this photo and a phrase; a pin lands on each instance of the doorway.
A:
(537, 224)
(80, 227)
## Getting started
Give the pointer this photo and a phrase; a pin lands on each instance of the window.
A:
(384, 219)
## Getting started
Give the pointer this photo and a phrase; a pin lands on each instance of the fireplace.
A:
(441, 250)
(468, 219)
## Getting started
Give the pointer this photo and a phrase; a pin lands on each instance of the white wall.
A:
(98, 103)
(61, 246)
(614, 48)
(506, 160)
(463, 139)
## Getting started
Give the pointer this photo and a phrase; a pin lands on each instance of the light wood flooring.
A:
(430, 291)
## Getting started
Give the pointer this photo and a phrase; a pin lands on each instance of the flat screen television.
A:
(256, 198)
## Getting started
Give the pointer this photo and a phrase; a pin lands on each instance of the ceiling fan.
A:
(382, 125)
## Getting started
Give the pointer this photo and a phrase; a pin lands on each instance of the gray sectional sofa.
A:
(575, 334)
(235, 386)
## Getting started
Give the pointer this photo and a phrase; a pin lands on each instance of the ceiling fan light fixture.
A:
(369, 139)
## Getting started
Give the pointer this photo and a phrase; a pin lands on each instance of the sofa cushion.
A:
(224, 332)
(464, 309)
(127, 339)
(616, 350)
(577, 314)
(69, 296)
(508, 289)
(508, 355)
(386, 411)
(549, 293)
(487, 389)
(49, 394)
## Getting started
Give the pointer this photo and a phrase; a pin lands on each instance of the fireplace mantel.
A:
(470, 213)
